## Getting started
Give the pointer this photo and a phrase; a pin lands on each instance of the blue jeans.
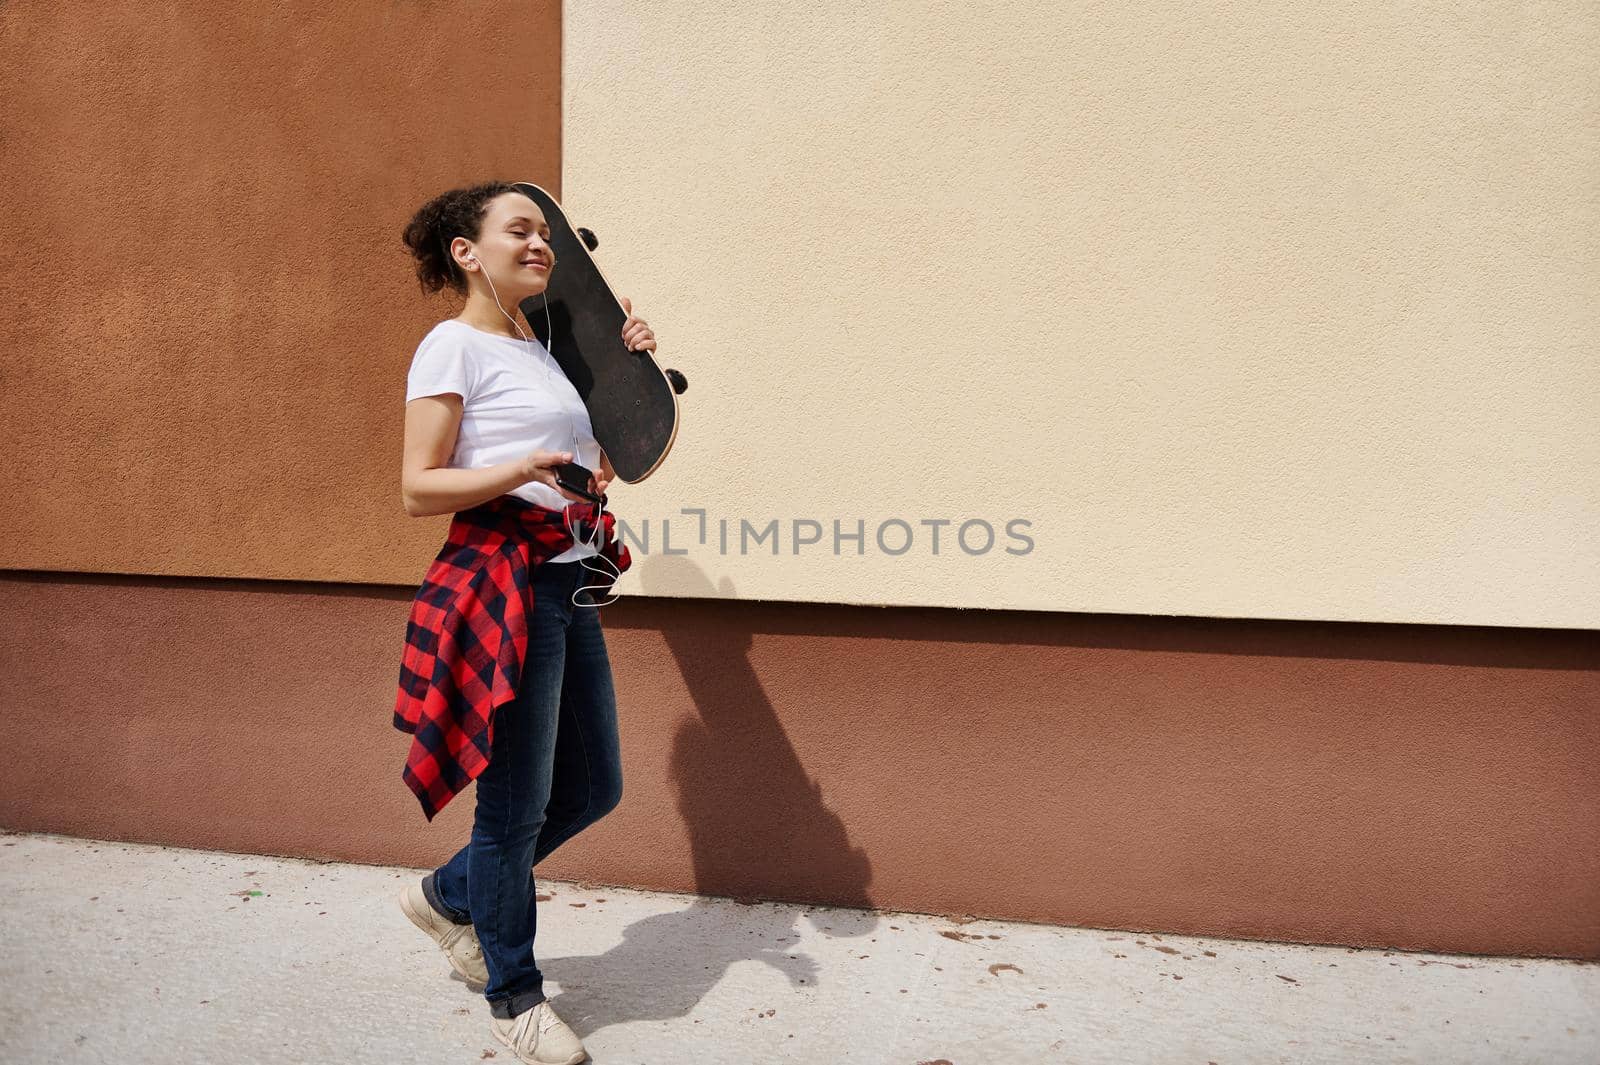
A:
(554, 769)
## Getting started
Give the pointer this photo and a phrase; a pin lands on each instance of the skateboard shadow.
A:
(759, 830)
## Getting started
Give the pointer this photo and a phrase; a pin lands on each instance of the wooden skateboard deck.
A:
(633, 404)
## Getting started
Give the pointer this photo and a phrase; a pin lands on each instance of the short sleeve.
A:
(442, 364)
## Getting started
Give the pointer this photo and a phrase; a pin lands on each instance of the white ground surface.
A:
(130, 953)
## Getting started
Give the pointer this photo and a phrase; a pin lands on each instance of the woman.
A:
(488, 415)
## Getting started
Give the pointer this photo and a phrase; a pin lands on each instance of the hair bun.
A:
(456, 213)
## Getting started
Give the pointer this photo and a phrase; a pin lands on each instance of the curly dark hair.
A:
(457, 213)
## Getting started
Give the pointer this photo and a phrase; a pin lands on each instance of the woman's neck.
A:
(482, 313)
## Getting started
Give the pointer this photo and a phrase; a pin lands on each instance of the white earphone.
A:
(593, 542)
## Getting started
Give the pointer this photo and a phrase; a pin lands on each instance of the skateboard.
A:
(632, 402)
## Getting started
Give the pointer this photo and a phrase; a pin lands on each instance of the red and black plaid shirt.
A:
(468, 634)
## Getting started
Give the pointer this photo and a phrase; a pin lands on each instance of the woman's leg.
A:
(586, 782)
(513, 791)
(446, 887)
(584, 776)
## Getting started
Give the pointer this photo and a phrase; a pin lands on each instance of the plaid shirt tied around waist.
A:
(467, 636)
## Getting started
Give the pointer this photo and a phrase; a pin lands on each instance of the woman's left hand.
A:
(636, 331)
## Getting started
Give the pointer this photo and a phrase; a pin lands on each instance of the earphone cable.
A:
(599, 524)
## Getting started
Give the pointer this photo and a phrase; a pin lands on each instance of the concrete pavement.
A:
(132, 953)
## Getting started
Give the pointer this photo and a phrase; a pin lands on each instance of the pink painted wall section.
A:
(1375, 785)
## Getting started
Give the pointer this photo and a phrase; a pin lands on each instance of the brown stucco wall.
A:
(1377, 785)
(208, 313)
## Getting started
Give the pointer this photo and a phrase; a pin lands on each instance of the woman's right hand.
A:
(540, 466)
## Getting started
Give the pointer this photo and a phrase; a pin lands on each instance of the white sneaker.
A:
(458, 941)
(539, 1037)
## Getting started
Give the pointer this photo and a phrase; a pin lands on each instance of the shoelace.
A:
(546, 1017)
(474, 948)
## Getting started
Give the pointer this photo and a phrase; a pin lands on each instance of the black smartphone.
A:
(575, 479)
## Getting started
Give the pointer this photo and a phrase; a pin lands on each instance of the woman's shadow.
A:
(758, 827)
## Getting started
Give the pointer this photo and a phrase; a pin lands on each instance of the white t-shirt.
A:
(514, 400)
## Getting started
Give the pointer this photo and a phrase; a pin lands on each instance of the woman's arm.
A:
(428, 486)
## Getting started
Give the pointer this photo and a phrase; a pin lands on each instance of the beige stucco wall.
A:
(1272, 310)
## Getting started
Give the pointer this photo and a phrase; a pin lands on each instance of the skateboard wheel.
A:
(590, 241)
(679, 382)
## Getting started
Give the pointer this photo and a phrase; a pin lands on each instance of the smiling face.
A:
(512, 246)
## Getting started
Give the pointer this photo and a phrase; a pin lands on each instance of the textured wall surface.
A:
(1279, 311)
(1409, 786)
(210, 315)
(1276, 310)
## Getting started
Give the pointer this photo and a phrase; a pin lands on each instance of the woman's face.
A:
(512, 246)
